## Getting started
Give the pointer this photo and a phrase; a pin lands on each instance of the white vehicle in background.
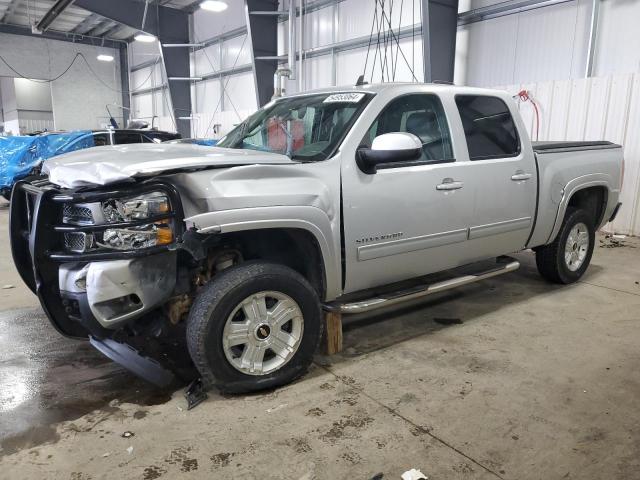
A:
(342, 200)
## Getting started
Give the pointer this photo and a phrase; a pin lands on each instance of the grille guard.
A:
(37, 240)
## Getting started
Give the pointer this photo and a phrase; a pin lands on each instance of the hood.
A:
(110, 164)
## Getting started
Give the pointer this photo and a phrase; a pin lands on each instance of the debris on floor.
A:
(614, 241)
(128, 434)
(413, 474)
(448, 321)
(7, 287)
(130, 450)
(275, 409)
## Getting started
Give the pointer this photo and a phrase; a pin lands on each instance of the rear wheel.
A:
(254, 326)
(568, 257)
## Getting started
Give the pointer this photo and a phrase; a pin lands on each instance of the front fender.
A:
(325, 230)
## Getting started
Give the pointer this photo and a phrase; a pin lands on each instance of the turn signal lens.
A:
(164, 235)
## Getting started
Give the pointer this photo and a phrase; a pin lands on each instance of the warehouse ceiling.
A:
(74, 20)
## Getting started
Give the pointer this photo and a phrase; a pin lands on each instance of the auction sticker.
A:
(344, 97)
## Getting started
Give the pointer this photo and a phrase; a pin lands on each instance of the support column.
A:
(124, 85)
(168, 25)
(439, 27)
(263, 38)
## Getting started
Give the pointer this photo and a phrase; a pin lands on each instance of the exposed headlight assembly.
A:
(134, 209)
(137, 208)
(132, 238)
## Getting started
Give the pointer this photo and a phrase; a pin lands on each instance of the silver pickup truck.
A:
(340, 200)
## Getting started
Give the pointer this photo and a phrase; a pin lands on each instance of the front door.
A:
(410, 218)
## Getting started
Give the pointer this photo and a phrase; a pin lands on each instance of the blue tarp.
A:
(19, 155)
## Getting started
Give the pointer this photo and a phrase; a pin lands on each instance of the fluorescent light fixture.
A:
(105, 58)
(214, 5)
(144, 38)
(185, 79)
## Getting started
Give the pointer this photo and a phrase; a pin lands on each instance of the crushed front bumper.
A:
(87, 294)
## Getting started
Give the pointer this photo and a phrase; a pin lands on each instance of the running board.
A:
(420, 291)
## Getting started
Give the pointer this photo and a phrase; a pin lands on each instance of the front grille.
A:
(77, 214)
(78, 242)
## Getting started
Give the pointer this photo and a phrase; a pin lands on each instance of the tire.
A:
(552, 261)
(217, 311)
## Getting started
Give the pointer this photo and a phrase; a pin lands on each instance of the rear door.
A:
(504, 172)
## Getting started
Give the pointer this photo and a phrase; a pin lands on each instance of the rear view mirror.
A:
(389, 148)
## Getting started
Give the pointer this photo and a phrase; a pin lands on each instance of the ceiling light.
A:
(144, 37)
(105, 58)
(214, 5)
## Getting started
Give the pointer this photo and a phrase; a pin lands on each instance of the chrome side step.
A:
(419, 291)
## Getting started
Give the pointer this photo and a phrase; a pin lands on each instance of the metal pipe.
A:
(52, 14)
(292, 39)
(301, 48)
(593, 34)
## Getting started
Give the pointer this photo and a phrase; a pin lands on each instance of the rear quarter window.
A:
(488, 127)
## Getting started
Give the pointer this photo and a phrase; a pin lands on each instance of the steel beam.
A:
(53, 13)
(263, 36)
(124, 82)
(64, 37)
(168, 25)
(501, 9)
(439, 28)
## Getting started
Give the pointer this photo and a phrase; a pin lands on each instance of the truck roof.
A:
(401, 86)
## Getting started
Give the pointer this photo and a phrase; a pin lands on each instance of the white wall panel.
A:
(537, 45)
(236, 51)
(207, 95)
(240, 92)
(209, 24)
(206, 60)
(140, 52)
(318, 27)
(492, 51)
(618, 40)
(318, 72)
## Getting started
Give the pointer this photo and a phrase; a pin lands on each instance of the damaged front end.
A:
(104, 263)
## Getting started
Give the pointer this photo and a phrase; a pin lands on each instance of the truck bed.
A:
(553, 147)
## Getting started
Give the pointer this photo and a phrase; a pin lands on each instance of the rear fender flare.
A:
(575, 185)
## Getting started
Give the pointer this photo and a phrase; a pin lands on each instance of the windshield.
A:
(307, 128)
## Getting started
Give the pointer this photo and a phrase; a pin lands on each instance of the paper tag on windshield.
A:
(344, 97)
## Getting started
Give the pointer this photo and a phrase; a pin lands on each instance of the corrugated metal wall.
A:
(597, 108)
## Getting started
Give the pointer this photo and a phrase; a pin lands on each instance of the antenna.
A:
(361, 81)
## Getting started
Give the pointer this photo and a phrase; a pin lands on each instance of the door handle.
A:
(449, 184)
(520, 175)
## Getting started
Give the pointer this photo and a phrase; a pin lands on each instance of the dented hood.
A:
(110, 164)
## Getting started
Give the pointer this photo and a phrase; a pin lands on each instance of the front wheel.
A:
(254, 326)
(567, 258)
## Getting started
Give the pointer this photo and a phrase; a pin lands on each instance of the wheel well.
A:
(591, 199)
(296, 248)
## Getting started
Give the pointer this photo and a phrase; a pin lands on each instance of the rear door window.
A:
(488, 127)
(127, 137)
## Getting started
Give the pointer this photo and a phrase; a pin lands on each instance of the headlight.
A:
(144, 222)
(131, 209)
(137, 237)
(136, 208)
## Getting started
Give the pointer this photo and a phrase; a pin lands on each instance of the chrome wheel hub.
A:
(575, 250)
(263, 333)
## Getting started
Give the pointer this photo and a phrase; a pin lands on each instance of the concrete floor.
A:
(537, 382)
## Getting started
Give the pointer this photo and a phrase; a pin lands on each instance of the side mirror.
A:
(389, 148)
